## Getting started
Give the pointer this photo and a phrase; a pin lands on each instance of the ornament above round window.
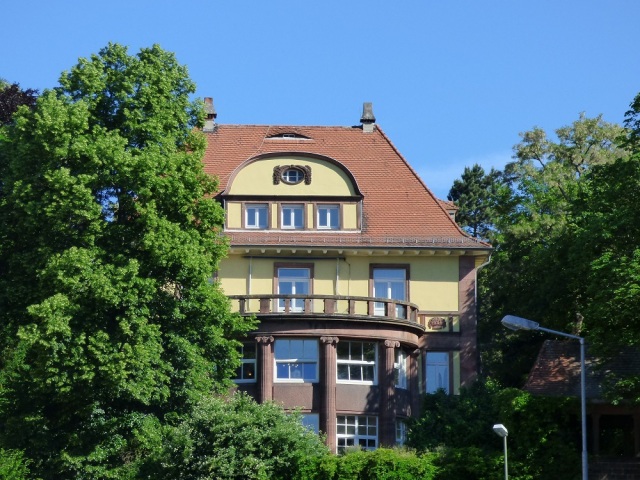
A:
(292, 174)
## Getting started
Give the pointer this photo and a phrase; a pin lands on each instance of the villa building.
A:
(363, 284)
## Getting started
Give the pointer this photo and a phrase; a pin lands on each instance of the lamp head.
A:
(519, 323)
(500, 430)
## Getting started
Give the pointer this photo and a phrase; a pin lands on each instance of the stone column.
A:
(328, 404)
(414, 381)
(265, 359)
(469, 356)
(387, 434)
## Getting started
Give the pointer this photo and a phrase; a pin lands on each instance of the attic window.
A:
(292, 174)
(288, 136)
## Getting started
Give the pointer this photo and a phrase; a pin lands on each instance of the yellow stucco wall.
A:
(256, 178)
(234, 215)
(433, 286)
(350, 216)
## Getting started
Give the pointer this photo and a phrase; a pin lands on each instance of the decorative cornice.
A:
(265, 340)
(391, 343)
(329, 340)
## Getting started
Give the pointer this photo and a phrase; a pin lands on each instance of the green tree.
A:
(476, 194)
(12, 97)
(459, 428)
(532, 273)
(109, 238)
(606, 257)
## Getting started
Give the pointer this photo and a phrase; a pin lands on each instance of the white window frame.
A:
(252, 214)
(401, 432)
(384, 288)
(401, 369)
(437, 371)
(246, 363)
(288, 216)
(295, 304)
(295, 365)
(356, 431)
(328, 217)
(354, 364)
(286, 176)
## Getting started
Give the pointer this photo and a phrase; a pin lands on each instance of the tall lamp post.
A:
(518, 323)
(502, 431)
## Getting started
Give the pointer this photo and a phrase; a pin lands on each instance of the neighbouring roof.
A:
(556, 372)
(398, 208)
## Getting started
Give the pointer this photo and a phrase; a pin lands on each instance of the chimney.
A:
(210, 118)
(368, 120)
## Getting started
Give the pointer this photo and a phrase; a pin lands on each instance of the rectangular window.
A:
(401, 432)
(400, 368)
(292, 216)
(357, 430)
(293, 281)
(255, 215)
(357, 362)
(311, 421)
(329, 217)
(296, 360)
(246, 372)
(437, 372)
(390, 283)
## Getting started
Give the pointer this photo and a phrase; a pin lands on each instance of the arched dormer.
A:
(292, 191)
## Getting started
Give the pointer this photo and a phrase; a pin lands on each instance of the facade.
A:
(363, 284)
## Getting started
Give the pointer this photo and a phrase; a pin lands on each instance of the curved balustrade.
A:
(324, 305)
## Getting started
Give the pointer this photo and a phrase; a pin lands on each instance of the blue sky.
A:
(452, 82)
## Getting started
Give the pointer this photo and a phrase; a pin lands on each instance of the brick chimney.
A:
(210, 119)
(368, 120)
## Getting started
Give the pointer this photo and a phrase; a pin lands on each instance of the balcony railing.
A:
(325, 305)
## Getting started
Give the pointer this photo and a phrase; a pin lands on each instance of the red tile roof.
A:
(398, 208)
(556, 371)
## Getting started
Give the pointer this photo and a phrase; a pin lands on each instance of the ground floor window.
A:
(400, 369)
(357, 362)
(438, 372)
(401, 432)
(311, 421)
(296, 360)
(246, 372)
(357, 430)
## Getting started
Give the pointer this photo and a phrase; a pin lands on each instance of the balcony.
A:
(334, 306)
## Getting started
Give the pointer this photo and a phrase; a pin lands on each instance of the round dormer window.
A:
(292, 176)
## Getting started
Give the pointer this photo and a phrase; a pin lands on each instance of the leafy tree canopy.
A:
(534, 272)
(109, 239)
(12, 97)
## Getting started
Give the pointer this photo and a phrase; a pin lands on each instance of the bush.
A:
(13, 465)
(381, 464)
(234, 437)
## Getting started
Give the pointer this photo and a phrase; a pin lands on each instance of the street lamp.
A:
(518, 323)
(502, 431)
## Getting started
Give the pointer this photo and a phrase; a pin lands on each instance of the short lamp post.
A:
(502, 431)
(518, 323)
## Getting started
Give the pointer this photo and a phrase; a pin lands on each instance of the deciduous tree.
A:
(109, 239)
